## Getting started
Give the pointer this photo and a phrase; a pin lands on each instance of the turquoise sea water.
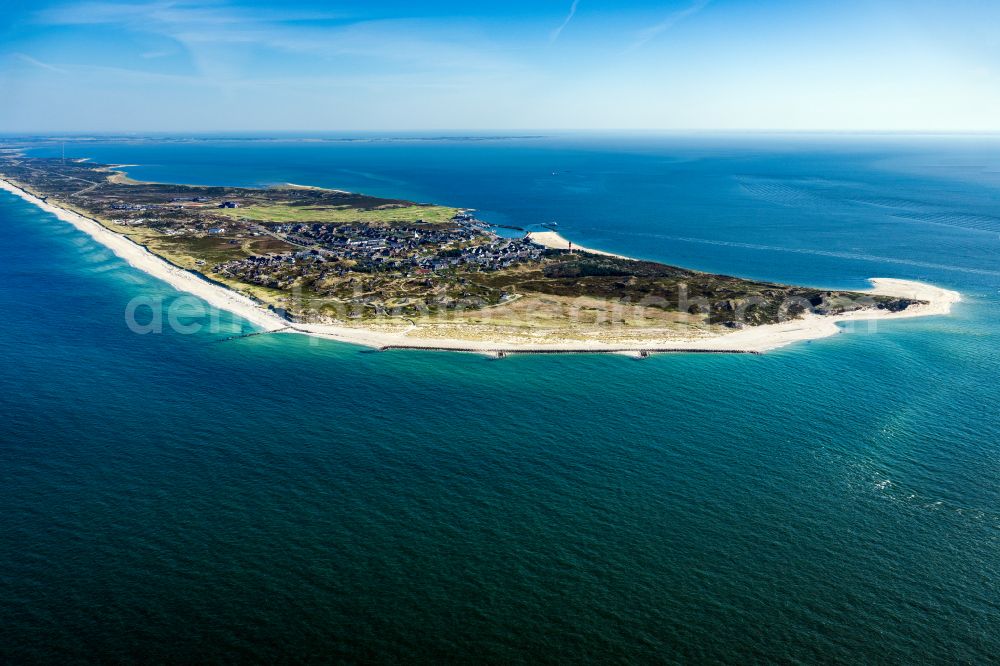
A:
(170, 498)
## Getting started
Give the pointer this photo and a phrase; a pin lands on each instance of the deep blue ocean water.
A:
(170, 498)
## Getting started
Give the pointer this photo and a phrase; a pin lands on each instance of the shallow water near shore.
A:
(171, 497)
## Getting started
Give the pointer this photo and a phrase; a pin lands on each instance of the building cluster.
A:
(411, 247)
(409, 251)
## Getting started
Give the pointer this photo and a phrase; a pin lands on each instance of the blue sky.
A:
(236, 65)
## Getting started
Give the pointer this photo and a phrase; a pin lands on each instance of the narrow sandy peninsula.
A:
(406, 333)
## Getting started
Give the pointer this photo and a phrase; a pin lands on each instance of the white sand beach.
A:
(755, 339)
(553, 240)
(141, 258)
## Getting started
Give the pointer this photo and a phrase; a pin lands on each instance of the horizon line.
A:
(514, 132)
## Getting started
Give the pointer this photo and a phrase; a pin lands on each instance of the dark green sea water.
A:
(167, 498)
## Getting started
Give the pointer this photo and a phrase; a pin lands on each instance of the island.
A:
(393, 273)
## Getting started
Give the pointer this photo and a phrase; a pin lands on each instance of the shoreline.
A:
(555, 241)
(139, 257)
(752, 340)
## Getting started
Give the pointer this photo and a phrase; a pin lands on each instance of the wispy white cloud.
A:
(562, 26)
(220, 38)
(159, 13)
(644, 36)
(23, 57)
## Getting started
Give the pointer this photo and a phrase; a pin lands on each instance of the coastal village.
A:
(335, 259)
(329, 260)
(413, 249)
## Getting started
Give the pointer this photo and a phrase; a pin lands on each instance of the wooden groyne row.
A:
(500, 353)
(251, 335)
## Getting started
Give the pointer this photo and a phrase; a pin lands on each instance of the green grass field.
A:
(281, 213)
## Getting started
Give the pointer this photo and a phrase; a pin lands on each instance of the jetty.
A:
(643, 353)
(255, 334)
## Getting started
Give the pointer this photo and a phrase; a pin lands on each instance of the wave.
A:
(776, 191)
(830, 253)
(811, 192)
(982, 223)
(892, 202)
